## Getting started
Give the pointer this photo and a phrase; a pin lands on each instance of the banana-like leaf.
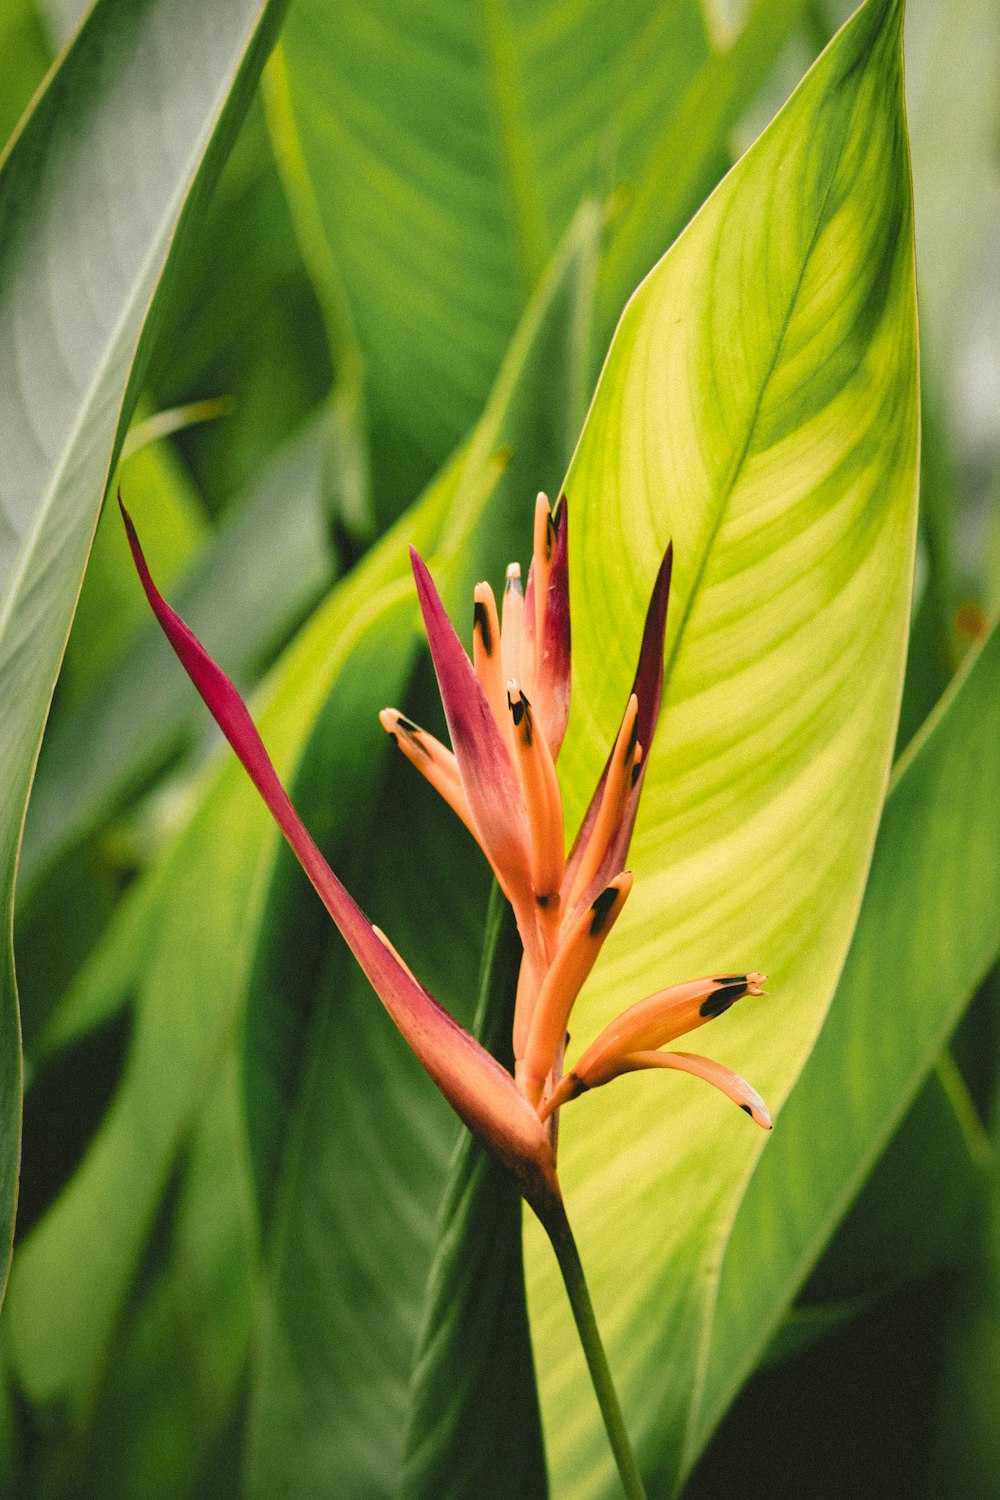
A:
(356, 1189)
(76, 286)
(176, 1377)
(242, 321)
(759, 406)
(473, 1424)
(444, 152)
(928, 932)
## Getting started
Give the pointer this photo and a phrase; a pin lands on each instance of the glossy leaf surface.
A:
(759, 406)
(448, 212)
(930, 921)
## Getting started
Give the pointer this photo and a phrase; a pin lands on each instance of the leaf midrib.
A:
(725, 493)
(711, 1265)
(711, 1275)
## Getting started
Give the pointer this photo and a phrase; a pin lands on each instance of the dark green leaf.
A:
(474, 1427)
(929, 929)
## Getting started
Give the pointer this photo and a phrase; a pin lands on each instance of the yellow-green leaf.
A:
(759, 406)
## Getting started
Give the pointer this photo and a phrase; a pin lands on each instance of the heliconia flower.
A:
(506, 713)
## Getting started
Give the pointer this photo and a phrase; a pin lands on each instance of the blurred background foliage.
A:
(347, 299)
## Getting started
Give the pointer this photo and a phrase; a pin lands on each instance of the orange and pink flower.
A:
(506, 711)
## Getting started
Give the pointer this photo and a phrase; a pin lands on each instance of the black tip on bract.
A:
(721, 999)
(648, 685)
(601, 909)
(480, 622)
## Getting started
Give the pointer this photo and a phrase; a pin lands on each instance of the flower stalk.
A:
(575, 1282)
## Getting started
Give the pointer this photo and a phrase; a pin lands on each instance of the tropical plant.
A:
(316, 333)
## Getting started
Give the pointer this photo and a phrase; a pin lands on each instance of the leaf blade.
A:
(759, 406)
(936, 838)
(72, 313)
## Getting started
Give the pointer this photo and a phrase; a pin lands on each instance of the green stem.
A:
(571, 1267)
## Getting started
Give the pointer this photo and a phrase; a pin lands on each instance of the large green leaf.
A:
(759, 406)
(242, 321)
(445, 149)
(362, 1167)
(930, 921)
(179, 1363)
(91, 196)
(970, 1421)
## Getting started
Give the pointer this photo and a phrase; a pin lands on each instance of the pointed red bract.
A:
(480, 1091)
(648, 688)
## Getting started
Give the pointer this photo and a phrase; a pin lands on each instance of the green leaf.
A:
(180, 1360)
(930, 925)
(109, 978)
(969, 1429)
(443, 153)
(242, 321)
(759, 407)
(915, 1210)
(75, 294)
(913, 1214)
(473, 1426)
(24, 58)
(364, 1158)
(107, 614)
